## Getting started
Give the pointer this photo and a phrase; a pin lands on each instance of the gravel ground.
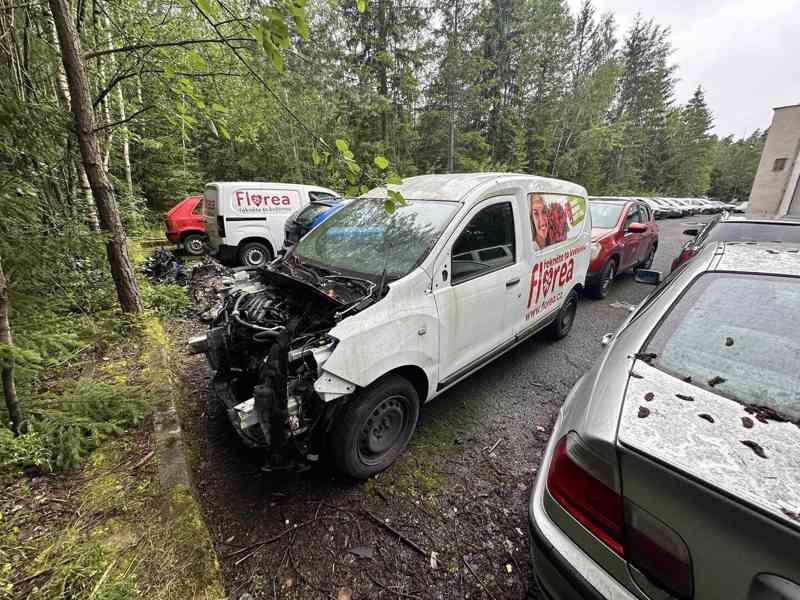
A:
(447, 521)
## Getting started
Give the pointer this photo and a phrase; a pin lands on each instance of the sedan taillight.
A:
(587, 489)
(657, 551)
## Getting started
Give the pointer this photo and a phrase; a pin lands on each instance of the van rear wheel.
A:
(561, 327)
(375, 427)
(254, 254)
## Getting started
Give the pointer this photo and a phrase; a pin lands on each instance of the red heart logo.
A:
(256, 199)
(548, 277)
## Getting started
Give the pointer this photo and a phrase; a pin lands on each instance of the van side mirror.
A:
(691, 232)
(648, 277)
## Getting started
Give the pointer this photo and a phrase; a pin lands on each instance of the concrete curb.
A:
(180, 495)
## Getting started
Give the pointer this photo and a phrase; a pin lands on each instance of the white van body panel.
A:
(448, 331)
(253, 210)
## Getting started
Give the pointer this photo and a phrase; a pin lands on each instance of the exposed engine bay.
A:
(267, 345)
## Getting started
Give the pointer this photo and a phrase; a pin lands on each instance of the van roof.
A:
(273, 184)
(456, 186)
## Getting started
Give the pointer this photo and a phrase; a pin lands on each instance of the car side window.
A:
(486, 244)
(633, 216)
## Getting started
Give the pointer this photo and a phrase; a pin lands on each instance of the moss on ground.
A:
(123, 536)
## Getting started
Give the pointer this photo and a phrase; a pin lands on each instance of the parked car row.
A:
(681, 207)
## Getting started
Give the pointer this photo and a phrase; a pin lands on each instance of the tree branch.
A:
(317, 138)
(130, 118)
(120, 78)
(151, 45)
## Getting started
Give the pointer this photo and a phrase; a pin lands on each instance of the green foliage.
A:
(65, 427)
(167, 299)
(29, 450)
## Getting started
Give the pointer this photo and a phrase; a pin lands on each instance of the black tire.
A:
(648, 261)
(561, 327)
(375, 427)
(194, 244)
(600, 289)
(254, 254)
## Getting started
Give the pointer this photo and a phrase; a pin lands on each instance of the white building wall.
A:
(773, 187)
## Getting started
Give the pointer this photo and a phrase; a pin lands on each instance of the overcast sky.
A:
(745, 53)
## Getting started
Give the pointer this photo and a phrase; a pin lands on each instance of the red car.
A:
(185, 225)
(624, 236)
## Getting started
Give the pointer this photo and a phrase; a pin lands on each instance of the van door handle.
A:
(512, 282)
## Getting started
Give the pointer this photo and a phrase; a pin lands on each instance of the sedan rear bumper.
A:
(562, 569)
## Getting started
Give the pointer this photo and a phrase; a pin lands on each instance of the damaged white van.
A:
(333, 348)
(245, 220)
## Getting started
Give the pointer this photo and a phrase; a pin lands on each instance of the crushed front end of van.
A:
(267, 346)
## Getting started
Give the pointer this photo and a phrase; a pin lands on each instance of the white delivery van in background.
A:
(245, 220)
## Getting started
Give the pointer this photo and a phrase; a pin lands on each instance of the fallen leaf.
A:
(509, 568)
(729, 341)
(643, 412)
(716, 380)
(747, 422)
(707, 417)
(685, 397)
(434, 561)
(755, 447)
(649, 396)
(344, 593)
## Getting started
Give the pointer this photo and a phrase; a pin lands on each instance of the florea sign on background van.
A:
(245, 220)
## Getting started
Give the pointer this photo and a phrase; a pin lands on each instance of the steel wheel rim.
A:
(195, 245)
(255, 257)
(382, 429)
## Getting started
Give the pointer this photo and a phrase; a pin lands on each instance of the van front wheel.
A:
(254, 254)
(375, 427)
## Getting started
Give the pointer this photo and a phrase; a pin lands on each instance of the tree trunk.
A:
(62, 90)
(7, 371)
(81, 102)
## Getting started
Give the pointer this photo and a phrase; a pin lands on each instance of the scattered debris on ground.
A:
(163, 266)
(206, 287)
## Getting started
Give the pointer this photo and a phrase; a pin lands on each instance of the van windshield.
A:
(363, 237)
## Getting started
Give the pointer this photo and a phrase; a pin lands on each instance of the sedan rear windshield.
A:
(605, 216)
(363, 237)
(737, 335)
(744, 231)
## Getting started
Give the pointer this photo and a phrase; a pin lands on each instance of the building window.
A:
(780, 163)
